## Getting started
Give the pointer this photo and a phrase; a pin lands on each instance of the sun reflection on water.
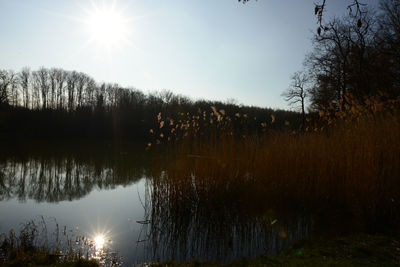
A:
(100, 248)
(99, 241)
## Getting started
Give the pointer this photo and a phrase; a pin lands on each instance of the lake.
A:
(86, 190)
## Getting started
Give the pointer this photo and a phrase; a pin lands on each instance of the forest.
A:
(54, 103)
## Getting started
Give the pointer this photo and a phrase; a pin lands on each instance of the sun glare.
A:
(99, 241)
(107, 26)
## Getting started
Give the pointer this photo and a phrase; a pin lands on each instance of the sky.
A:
(209, 49)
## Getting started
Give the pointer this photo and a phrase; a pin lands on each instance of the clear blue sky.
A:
(209, 49)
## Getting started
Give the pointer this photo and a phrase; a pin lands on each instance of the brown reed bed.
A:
(344, 165)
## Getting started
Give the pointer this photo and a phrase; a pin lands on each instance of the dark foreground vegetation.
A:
(36, 245)
(22, 252)
(360, 250)
(35, 258)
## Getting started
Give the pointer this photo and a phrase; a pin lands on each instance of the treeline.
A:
(55, 103)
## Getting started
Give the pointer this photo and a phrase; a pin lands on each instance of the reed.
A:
(347, 162)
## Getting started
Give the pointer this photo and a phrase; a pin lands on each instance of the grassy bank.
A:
(360, 250)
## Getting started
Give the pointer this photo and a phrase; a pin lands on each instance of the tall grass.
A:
(346, 164)
(40, 243)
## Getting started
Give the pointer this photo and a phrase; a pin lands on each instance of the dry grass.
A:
(350, 163)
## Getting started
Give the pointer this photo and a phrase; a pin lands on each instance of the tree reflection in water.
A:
(57, 177)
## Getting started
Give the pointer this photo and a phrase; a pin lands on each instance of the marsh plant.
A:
(187, 229)
(344, 164)
(44, 242)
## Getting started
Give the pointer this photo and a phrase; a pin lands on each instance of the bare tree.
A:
(297, 93)
(100, 97)
(112, 94)
(42, 84)
(14, 92)
(36, 90)
(61, 78)
(3, 87)
(90, 91)
(344, 61)
(355, 8)
(81, 85)
(25, 77)
(72, 80)
(388, 41)
(8, 84)
(53, 87)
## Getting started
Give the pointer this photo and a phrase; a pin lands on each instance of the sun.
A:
(107, 26)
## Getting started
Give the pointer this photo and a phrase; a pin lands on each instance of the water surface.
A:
(93, 189)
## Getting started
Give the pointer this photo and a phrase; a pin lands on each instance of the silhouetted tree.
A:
(90, 91)
(357, 56)
(60, 78)
(80, 89)
(343, 61)
(42, 76)
(8, 82)
(53, 87)
(297, 92)
(25, 77)
(388, 43)
(355, 8)
(14, 92)
(72, 79)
